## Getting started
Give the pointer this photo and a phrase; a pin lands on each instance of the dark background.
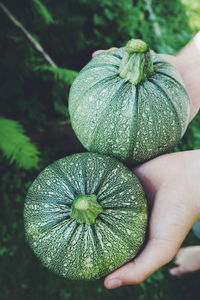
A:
(35, 127)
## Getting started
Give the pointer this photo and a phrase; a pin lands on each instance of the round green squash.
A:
(85, 215)
(129, 103)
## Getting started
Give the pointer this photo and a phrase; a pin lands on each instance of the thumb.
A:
(157, 253)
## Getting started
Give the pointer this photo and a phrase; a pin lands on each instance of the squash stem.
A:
(136, 64)
(85, 209)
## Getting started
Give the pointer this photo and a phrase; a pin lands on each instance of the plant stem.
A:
(136, 64)
(28, 35)
(85, 209)
(152, 17)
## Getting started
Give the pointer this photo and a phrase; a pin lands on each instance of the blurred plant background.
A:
(44, 43)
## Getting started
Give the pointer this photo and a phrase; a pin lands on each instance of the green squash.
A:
(129, 103)
(85, 215)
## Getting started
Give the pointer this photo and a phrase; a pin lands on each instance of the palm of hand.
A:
(169, 187)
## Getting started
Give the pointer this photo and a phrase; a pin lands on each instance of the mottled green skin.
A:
(137, 122)
(82, 251)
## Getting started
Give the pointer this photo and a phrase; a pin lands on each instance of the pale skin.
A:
(172, 186)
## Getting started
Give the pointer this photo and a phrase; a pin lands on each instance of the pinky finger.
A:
(176, 271)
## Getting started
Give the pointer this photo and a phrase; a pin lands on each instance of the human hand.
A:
(187, 260)
(187, 62)
(171, 183)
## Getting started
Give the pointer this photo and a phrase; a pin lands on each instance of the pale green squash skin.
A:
(81, 251)
(131, 122)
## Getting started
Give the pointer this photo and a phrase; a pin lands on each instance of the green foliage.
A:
(65, 75)
(16, 146)
(192, 9)
(43, 11)
(191, 139)
(193, 134)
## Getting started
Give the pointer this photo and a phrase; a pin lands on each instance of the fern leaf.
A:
(16, 146)
(43, 11)
(66, 75)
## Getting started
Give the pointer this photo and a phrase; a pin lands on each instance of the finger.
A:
(155, 254)
(176, 271)
(178, 257)
(164, 240)
(111, 49)
(97, 52)
(101, 51)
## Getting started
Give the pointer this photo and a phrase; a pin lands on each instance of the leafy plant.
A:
(43, 11)
(65, 75)
(16, 146)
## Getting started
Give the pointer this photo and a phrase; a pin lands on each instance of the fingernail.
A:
(113, 283)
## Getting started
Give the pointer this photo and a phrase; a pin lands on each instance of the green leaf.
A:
(66, 75)
(3, 250)
(16, 146)
(62, 109)
(43, 11)
(98, 20)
